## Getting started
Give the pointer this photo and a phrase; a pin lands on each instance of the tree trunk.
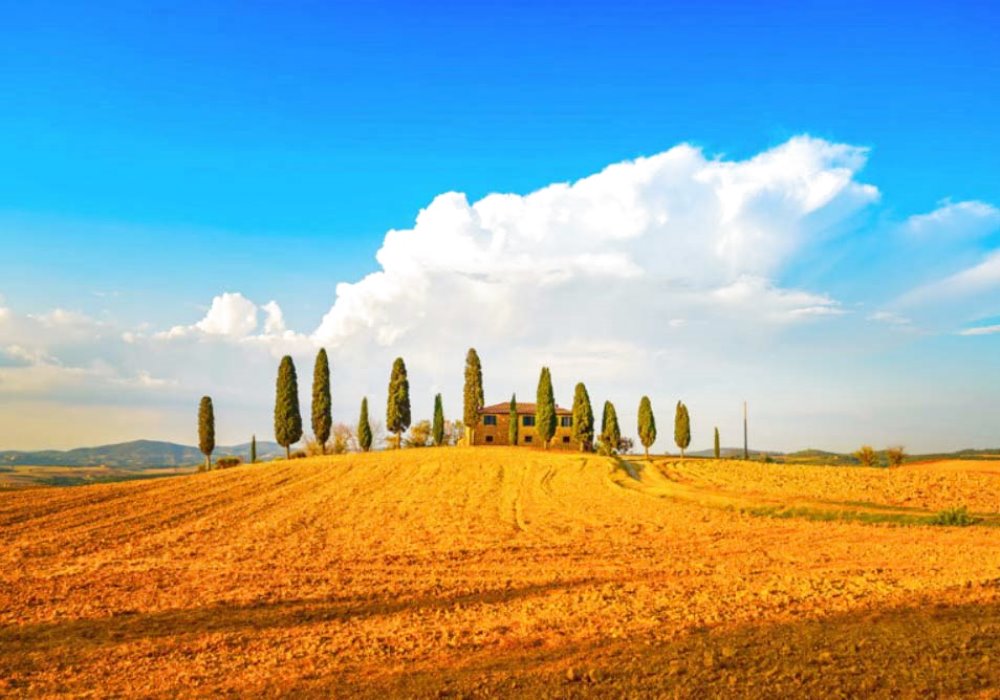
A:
(208, 463)
(647, 452)
(682, 453)
(288, 452)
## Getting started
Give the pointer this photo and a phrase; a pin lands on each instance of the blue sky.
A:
(158, 155)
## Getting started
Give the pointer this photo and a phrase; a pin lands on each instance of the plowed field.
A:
(505, 572)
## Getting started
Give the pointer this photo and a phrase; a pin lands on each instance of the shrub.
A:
(895, 455)
(420, 434)
(314, 448)
(299, 454)
(958, 517)
(345, 439)
(227, 462)
(866, 456)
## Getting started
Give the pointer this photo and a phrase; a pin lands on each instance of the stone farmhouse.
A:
(494, 422)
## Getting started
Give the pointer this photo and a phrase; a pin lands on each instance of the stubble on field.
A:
(454, 571)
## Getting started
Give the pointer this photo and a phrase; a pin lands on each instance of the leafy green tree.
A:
(473, 397)
(583, 418)
(322, 419)
(545, 409)
(895, 456)
(718, 449)
(397, 410)
(437, 432)
(867, 456)
(364, 427)
(682, 427)
(287, 418)
(611, 434)
(253, 450)
(206, 429)
(647, 424)
(512, 421)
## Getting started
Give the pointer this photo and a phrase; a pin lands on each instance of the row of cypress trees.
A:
(288, 419)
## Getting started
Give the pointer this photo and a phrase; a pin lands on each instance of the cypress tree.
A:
(545, 409)
(472, 394)
(287, 419)
(322, 419)
(611, 434)
(206, 429)
(364, 427)
(718, 449)
(647, 424)
(682, 427)
(583, 418)
(437, 431)
(512, 424)
(253, 450)
(397, 410)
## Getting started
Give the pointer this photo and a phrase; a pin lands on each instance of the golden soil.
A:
(501, 572)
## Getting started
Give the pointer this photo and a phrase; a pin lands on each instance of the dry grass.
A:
(498, 571)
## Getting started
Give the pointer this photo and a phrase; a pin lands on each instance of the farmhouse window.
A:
(565, 438)
(489, 438)
(527, 438)
(566, 421)
(489, 420)
(528, 421)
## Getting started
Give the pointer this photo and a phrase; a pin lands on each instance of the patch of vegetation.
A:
(953, 517)
(816, 514)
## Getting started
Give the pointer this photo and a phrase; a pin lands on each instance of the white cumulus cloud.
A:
(641, 242)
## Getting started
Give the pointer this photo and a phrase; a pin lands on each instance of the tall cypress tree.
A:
(364, 427)
(206, 429)
(682, 427)
(253, 450)
(512, 421)
(397, 409)
(322, 420)
(437, 431)
(472, 394)
(545, 409)
(647, 424)
(287, 418)
(611, 434)
(718, 449)
(583, 418)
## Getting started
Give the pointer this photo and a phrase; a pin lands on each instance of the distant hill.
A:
(730, 453)
(820, 457)
(139, 454)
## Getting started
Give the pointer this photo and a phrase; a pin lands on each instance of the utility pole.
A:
(746, 450)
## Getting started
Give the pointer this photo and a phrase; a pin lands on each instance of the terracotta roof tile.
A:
(522, 408)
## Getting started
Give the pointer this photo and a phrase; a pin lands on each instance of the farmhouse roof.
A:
(522, 408)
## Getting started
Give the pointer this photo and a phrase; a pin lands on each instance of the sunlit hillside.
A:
(505, 572)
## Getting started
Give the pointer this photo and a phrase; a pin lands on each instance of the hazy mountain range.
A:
(137, 454)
